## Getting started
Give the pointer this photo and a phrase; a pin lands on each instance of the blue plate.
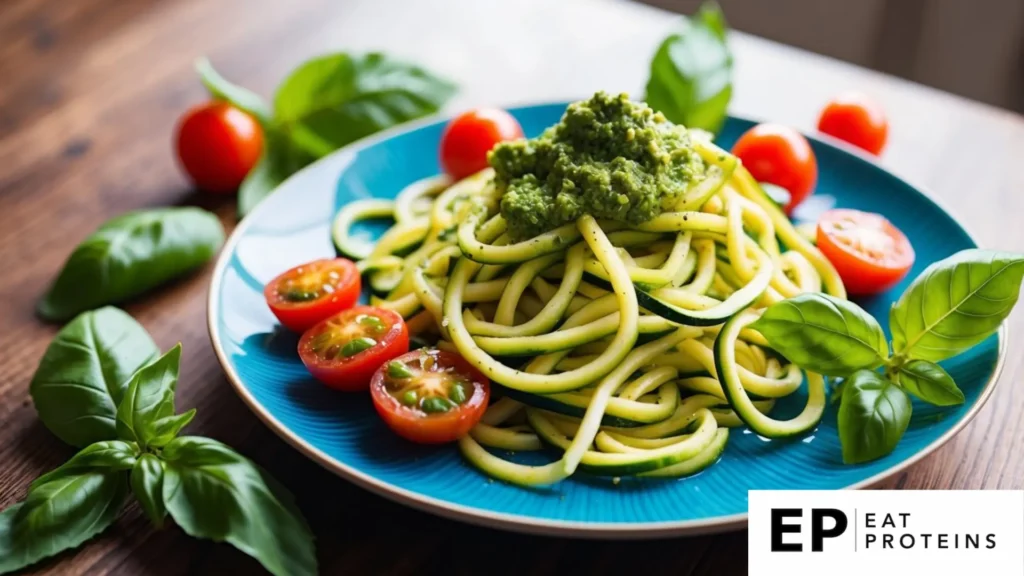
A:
(343, 433)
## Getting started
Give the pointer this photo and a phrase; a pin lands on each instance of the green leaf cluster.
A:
(953, 305)
(691, 72)
(324, 104)
(104, 386)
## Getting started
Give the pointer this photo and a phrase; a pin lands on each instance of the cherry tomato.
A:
(430, 396)
(346, 349)
(469, 137)
(856, 119)
(781, 156)
(307, 294)
(217, 145)
(870, 254)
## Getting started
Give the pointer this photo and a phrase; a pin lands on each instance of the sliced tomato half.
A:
(870, 254)
(430, 396)
(307, 294)
(345, 350)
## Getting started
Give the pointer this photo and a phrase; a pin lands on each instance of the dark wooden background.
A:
(90, 90)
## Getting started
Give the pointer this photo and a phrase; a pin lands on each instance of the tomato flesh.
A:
(430, 396)
(856, 119)
(307, 294)
(468, 138)
(218, 145)
(346, 349)
(870, 254)
(781, 156)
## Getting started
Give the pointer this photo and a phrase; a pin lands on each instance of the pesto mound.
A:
(608, 157)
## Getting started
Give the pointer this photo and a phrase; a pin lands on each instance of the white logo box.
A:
(906, 533)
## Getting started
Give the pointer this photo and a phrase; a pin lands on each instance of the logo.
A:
(818, 530)
(886, 532)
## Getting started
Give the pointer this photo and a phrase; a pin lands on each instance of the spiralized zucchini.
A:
(622, 350)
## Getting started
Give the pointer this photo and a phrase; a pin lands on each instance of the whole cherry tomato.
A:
(468, 138)
(856, 119)
(781, 156)
(218, 145)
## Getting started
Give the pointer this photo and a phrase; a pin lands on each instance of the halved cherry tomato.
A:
(855, 118)
(218, 145)
(307, 294)
(430, 396)
(870, 254)
(779, 155)
(469, 137)
(346, 349)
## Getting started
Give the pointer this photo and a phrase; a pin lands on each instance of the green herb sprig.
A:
(324, 104)
(953, 305)
(691, 72)
(102, 384)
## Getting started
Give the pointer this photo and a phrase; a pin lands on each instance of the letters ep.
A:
(782, 525)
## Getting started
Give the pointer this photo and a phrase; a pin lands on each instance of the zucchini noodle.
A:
(623, 350)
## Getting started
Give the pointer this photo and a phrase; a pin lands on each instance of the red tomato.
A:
(870, 254)
(346, 349)
(856, 119)
(307, 294)
(782, 156)
(430, 396)
(469, 137)
(217, 145)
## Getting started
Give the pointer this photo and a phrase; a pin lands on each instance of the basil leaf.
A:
(711, 16)
(329, 102)
(75, 503)
(167, 428)
(109, 455)
(956, 303)
(873, 416)
(83, 374)
(258, 184)
(280, 160)
(691, 73)
(239, 97)
(333, 100)
(824, 334)
(929, 382)
(150, 398)
(213, 492)
(130, 255)
(147, 481)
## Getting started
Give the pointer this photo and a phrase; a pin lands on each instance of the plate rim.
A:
(530, 524)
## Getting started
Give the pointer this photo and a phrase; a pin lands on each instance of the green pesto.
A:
(608, 157)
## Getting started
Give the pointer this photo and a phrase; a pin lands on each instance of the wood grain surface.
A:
(89, 93)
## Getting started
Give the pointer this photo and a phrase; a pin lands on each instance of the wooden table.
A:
(90, 90)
